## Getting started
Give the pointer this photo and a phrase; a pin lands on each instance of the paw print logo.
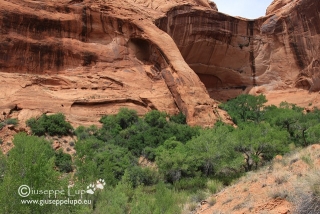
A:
(100, 184)
(90, 189)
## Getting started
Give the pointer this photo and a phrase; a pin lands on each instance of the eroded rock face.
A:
(278, 4)
(219, 48)
(87, 58)
(231, 55)
(296, 27)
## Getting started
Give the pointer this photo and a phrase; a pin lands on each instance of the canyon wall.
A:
(88, 58)
(232, 54)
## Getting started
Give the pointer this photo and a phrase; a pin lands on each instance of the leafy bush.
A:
(124, 119)
(30, 162)
(172, 160)
(179, 118)
(149, 153)
(96, 159)
(148, 132)
(166, 201)
(155, 119)
(3, 166)
(53, 125)
(84, 132)
(63, 161)
(192, 184)
(113, 200)
(141, 176)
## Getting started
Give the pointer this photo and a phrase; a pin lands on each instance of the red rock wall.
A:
(88, 58)
(296, 26)
(231, 55)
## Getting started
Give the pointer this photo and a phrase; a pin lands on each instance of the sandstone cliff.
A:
(232, 54)
(87, 58)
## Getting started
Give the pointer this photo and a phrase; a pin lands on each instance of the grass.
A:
(306, 196)
(239, 206)
(307, 204)
(227, 201)
(9, 121)
(307, 159)
(198, 196)
(212, 201)
(192, 206)
(214, 186)
(281, 179)
(278, 193)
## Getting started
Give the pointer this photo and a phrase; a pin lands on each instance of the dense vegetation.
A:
(183, 159)
(53, 125)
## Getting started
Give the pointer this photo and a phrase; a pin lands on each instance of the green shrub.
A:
(190, 183)
(63, 161)
(30, 162)
(155, 119)
(125, 118)
(198, 196)
(11, 121)
(179, 118)
(141, 176)
(214, 186)
(166, 200)
(193, 206)
(3, 166)
(53, 125)
(85, 132)
(96, 159)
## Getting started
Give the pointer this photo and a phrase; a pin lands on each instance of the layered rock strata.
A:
(87, 58)
(231, 54)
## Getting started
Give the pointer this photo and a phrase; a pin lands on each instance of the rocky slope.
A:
(289, 184)
(87, 58)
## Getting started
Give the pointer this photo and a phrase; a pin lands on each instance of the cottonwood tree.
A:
(245, 108)
(258, 142)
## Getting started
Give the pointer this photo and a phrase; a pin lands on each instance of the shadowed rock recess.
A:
(89, 58)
